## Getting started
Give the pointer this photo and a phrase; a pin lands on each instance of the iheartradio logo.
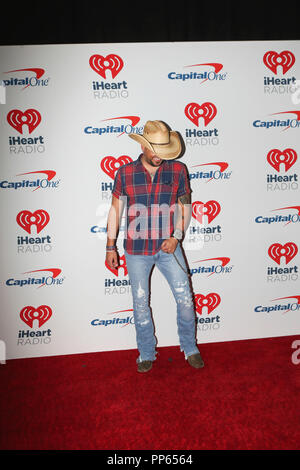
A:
(286, 158)
(17, 119)
(101, 64)
(39, 218)
(122, 265)
(288, 251)
(285, 59)
(210, 301)
(194, 112)
(42, 314)
(211, 209)
(110, 165)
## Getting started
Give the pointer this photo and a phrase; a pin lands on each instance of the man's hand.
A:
(112, 259)
(169, 245)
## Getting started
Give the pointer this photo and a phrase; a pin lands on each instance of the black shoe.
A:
(196, 361)
(144, 366)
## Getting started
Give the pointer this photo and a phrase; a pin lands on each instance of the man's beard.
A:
(154, 164)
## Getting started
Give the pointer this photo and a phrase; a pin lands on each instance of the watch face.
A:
(177, 234)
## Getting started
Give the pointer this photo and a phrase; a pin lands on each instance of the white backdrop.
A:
(65, 114)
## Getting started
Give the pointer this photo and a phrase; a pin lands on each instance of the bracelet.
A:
(111, 248)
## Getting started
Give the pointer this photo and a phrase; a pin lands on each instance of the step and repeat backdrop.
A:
(66, 112)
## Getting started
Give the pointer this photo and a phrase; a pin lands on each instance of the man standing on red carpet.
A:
(156, 191)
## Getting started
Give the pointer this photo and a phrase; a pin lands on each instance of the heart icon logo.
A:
(211, 209)
(122, 265)
(100, 64)
(28, 314)
(288, 157)
(17, 119)
(110, 165)
(272, 60)
(289, 251)
(194, 112)
(211, 301)
(39, 218)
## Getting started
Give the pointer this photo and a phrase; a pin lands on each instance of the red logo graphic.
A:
(288, 251)
(224, 261)
(288, 157)
(29, 314)
(217, 67)
(50, 175)
(122, 311)
(39, 218)
(55, 272)
(210, 208)
(100, 64)
(30, 117)
(38, 73)
(110, 165)
(297, 113)
(122, 265)
(194, 112)
(297, 297)
(272, 60)
(134, 120)
(288, 207)
(211, 301)
(223, 166)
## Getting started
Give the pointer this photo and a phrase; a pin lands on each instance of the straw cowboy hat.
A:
(157, 137)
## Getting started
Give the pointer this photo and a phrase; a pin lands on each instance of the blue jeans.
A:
(139, 269)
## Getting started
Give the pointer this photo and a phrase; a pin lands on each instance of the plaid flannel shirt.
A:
(150, 204)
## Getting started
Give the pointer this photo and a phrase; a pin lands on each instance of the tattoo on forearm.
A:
(185, 199)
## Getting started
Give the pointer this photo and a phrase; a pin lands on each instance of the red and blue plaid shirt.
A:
(149, 220)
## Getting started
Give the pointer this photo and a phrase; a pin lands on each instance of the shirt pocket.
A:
(168, 189)
(169, 184)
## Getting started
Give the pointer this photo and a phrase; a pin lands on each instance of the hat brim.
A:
(166, 151)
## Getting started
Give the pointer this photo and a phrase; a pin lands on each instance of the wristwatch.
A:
(177, 234)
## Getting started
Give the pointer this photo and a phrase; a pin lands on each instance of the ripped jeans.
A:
(139, 268)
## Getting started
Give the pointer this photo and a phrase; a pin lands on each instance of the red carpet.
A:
(246, 397)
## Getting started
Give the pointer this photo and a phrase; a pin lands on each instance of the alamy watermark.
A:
(2, 352)
(2, 92)
(296, 354)
(142, 222)
(296, 95)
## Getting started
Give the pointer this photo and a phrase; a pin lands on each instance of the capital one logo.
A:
(220, 268)
(101, 64)
(285, 59)
(216, 174)
(39, 72)
(206, 111)
(122, 265)
(287, 158)
(42, 314)
(288, 251)
(39, 218)
(210, 301)
(211, 209)
(216, 66)
(294, 306)
(17, 119)
(54, 271)
(110, 165)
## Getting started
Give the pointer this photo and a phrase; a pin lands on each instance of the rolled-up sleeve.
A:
(184, 183)
(117, 190)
